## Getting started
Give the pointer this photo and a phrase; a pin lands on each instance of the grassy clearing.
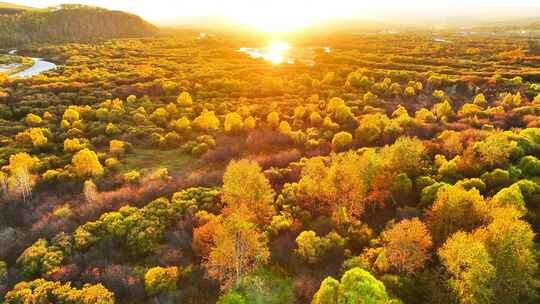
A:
(175, 161)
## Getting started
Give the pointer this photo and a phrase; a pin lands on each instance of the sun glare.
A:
(275, 52)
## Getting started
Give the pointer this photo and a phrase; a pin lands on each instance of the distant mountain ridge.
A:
(67, 23)
(14, 6)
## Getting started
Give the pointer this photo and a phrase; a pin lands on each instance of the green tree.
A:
(356, 286)
(311, 248)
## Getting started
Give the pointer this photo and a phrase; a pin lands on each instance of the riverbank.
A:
(18, 66)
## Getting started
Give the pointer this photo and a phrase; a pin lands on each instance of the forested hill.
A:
(70, 23)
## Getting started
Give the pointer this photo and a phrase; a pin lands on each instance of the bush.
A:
(160, 280)
(342, 141)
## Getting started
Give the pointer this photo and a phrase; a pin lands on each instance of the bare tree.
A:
(22, 183)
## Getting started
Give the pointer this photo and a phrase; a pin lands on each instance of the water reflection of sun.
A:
(275, 52)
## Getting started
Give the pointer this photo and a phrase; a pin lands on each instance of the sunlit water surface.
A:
(279, 52)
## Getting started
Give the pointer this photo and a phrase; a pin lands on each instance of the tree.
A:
(85, 163)
(90, 192)
(299, 112)
(273, 119)
(406, 155)
(181, 125)
(371, 128)
(443, 110)
(342, 141)
(160, 280)
(510, 243)
(456, 209)
(184, 100)
(407, 245)
(73, 145)
(204, 236)
(344, 114)
(21, 181)
(409, 92)
(495, 150)
(327, 293)
(233, 122)
(345, 187)
(160, 116)
(284, 128)
(42, 291)
(207, 121)
(480, 100)
(261, 286)
(36, 136)
(33, 120)
(333, 104)
(245, 184)
(470, 268)
(250, 123)
(312, 248)
(341, 184)
(239, 248)
(357, 286)
(117, 147)
(512, 101)
(315, 119)
(70, 115)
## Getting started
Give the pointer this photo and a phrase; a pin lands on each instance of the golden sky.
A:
(280, 15)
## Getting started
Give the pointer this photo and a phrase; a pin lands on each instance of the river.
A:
(37, 68)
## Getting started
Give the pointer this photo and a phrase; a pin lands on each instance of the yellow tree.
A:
(273, 119)
(239, 247)
(185, 100)
(160, 280)
(233, 122)
(73, 145)
(207, 121)
(21, 181)
(344, 185)
(469, 266)
(85, 163)
(70, 115)
(456, 209)
(33, 120)
(510, 243)
(342, 141)
(245, 184)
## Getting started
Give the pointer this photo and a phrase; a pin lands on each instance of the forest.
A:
(67, 23)
(374, 168)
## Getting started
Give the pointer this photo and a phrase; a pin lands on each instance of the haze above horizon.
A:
(286, 15)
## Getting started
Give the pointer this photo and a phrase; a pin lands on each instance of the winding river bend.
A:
(37, 68)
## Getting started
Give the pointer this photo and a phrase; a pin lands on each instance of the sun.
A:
(275, 52)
